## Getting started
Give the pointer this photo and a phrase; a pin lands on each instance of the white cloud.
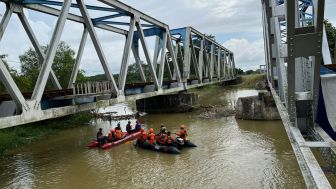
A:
(248, 55)
(239, 21)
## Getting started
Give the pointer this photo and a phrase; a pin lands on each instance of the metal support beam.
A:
(5, 19)
(163, 58)
(219, 63)
(147, 55)
(194, 59)
(125, 58)
(156, 52)
(37, 46)
(135, 50)
(212, 61)
(49, 58)
(75, 69)
(173, 57)
(12, 88)
(96, 43)
(201, 61)
(186, 59)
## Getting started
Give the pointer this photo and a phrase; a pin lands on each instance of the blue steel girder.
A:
(119, 23)
(182, 32)
(154, 31)
(103, 18)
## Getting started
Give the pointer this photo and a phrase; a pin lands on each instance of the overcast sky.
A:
(237, 24)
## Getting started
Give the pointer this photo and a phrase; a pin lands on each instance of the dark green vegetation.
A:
(31, 65)
(331, 35)
(250, 81)
(17, 136)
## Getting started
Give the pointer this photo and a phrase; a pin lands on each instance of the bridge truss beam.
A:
(293, 33)
(210, 62)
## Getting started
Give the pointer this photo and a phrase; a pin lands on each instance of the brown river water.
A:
(230, 154)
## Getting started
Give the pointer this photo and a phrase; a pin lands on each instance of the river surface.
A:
(230, 154)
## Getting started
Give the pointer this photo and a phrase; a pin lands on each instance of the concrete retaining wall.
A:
(261, 107)
(173, 103)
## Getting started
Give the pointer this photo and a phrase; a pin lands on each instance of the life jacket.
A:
(151, 138)
(144, 135)
(163, 138)
(170, 139)
(118, 134)
(183, 134)
(110, 137)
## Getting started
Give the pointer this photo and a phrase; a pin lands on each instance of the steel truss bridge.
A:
(295, 45)
(191, 59)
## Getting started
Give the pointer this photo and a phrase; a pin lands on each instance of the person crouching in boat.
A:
(182, 133)
(129, 128)
(151, 136)
(137, 126)
(169, 141)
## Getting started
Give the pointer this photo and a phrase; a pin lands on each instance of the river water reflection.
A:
(230, 154)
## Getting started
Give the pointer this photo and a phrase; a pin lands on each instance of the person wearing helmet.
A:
(137, 126)
(151, 136)
(182, 133)
(129, 128)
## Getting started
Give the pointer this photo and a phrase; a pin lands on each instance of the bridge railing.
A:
(293, 33)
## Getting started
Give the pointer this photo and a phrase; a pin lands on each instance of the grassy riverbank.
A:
(250, 81)
(17, 136)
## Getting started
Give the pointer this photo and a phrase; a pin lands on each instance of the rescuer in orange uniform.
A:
(151, 136)
(169, 139)
(119, 134)
(183, 133)
(144, 135)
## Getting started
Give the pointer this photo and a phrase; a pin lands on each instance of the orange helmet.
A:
(182, 127)
(151, 130)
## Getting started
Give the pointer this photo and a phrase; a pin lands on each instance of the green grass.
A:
(249, 81)
(14, 137)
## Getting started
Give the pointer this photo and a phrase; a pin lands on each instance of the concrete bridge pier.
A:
(172, 103)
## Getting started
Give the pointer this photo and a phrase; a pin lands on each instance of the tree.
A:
(331, 36)
(63, 63)
(20, 80)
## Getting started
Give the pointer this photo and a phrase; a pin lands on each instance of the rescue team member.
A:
(183, 133)
(151, 136)
(129, 128)
(144, 135)
(119, 134)
(112, 135)
(118, 127)
(100, 137)
(169, 139)
(162, 136)
(137, 126)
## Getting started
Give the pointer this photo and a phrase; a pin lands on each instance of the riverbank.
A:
(250, 81)
(14, 137)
